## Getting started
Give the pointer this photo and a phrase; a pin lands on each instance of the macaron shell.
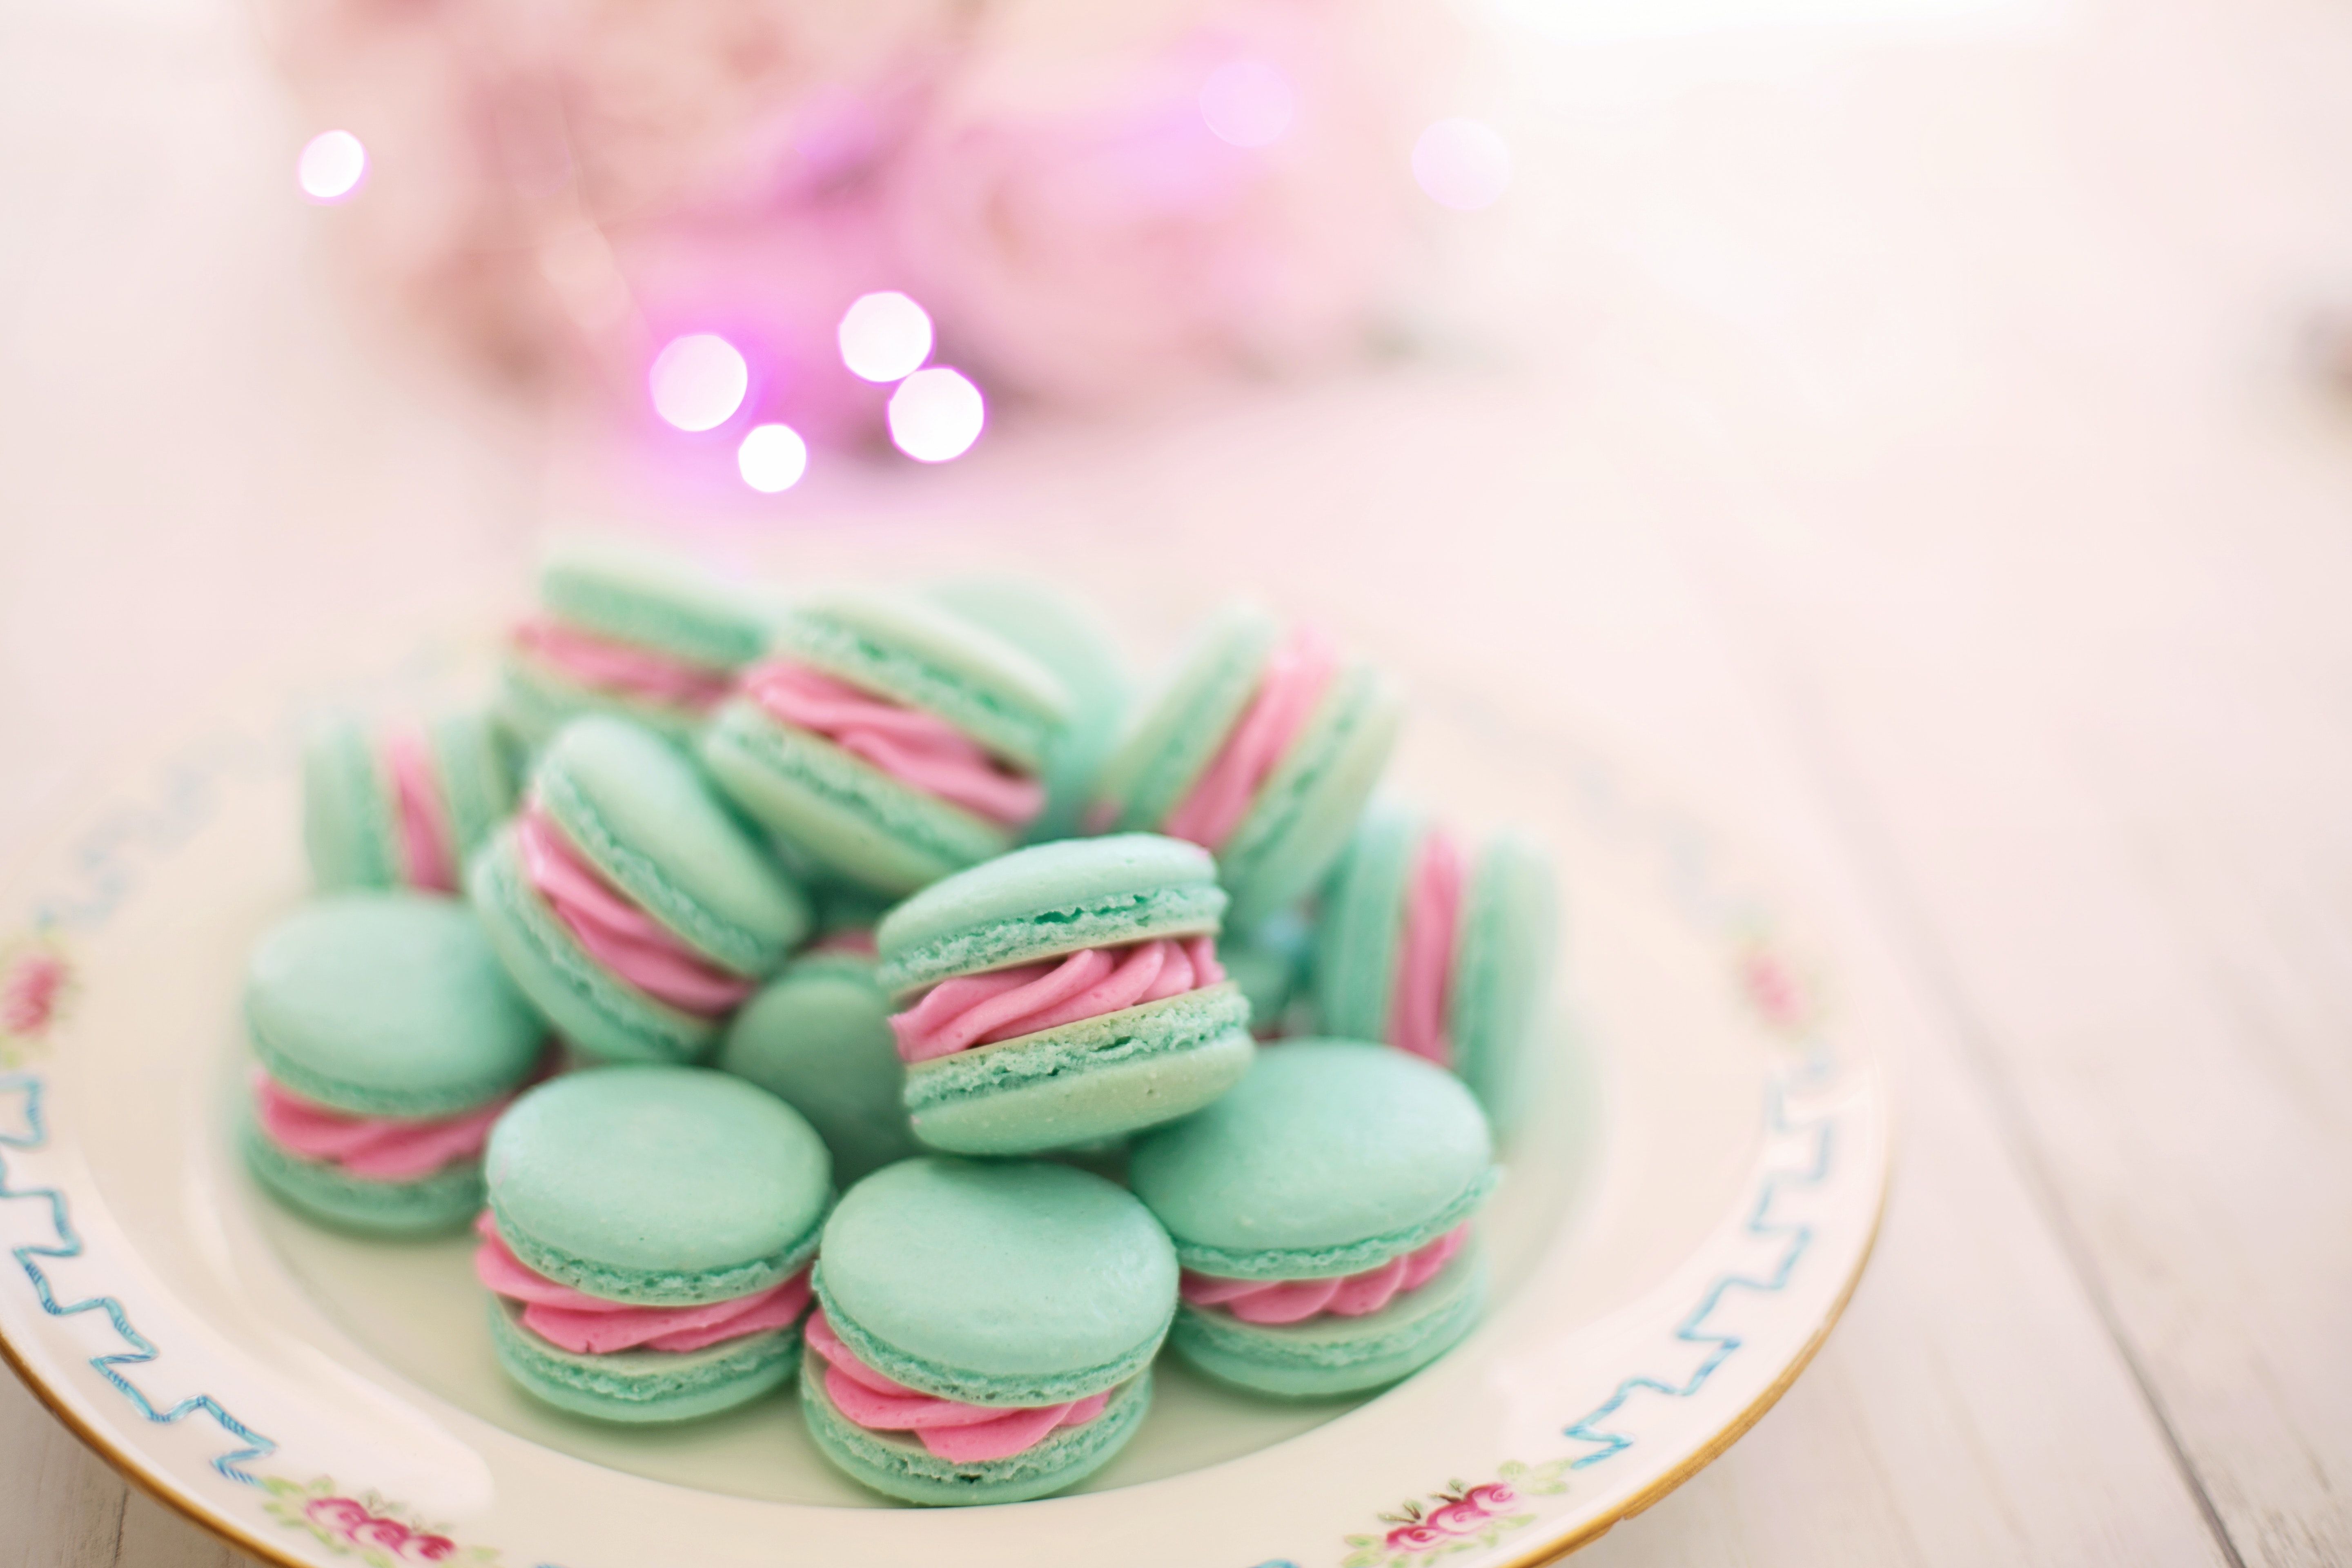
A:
(1362, 924)
(659, 601)
(925, 656)
(819, 1039)
(1330, 1157)
(594, 1011)
(347, 822)
(1502, 965)
(643, 1386)
(660, 1185)
(1306, 810)
(838, 809)
(1174, 735)
(897, 1465)
(636, 808)
(390, 1004)
(1068, 639)
(1096, 1078)
(443, 1200)
(1016, 1284)
(1047, 901)
(1327, 1356)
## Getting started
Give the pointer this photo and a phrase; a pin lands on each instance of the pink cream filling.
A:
(964, 1434)
(589, 1325)
(376, 1147)
(1005, 1003)
(427, 852)
(1432, 916)
(1350, 1296)
(913, 747)
(1294, 680)
(623, 669)
(617, 932)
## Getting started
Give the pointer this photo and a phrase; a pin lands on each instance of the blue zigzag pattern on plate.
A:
(140, 1351)
(1694, 1330)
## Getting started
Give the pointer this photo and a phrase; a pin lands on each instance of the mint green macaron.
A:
(1095, 1078)
(859, 820)
(1330, 1160)
(688, 627)
(1503, 948)
(1069, 639)
(818, 1037)
(385, 1008)
(663, 1187)
(676, 865)
(1015, 1285)
(1300, 814)
(363, 821)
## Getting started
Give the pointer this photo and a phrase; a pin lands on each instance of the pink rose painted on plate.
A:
(1456, 1517)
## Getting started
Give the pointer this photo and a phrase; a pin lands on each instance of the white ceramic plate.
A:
(1691, 1194)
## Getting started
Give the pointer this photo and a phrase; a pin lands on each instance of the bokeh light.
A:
(773, 458)
(936, 415)
(1462, 165)
(331, 165)
(1248, 103)
(885, 337)
(699, 381)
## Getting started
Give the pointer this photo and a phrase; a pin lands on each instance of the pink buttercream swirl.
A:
(427, 852)
(621, 668)
(1349, 1296)
(1432, 916)
(615, 931)
(1005, 1003)
(1294, 680)
(377, 1147)
(964, 1434)
(910, 745)
(589, 1325)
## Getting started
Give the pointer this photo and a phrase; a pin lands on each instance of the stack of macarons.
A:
(734, 898)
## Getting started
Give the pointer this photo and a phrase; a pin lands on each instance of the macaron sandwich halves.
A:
(889, 739)
(386, 1041)
(984, 1331)
(1322, 1212)
(627, 902)
(647, 1241)
(1063, 995)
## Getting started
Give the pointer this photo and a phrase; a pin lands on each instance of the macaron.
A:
(386, 1039)
(632, 632)
(1322, 1214)
(1062, 995)
(1069, 639)
(984, 1331)
(888, 739)
(1262, 746)
(1443, 952)
(647, 1241)
(405, 805)
(625, 901)
(818, 1037)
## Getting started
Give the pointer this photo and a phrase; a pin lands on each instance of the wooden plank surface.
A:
(1914, 471)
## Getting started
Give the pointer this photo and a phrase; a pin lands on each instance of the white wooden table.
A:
(1900, 445)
